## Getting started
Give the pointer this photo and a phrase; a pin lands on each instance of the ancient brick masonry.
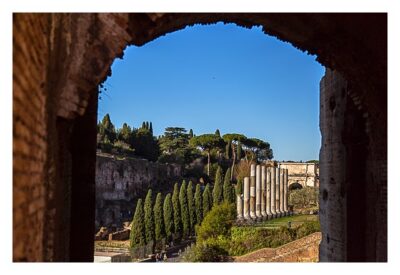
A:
(301, 250)
(30, 140)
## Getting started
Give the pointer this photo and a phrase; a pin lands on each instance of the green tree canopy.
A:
(191, 205)
(175, 147)
(177, 211)
(149, 217)
(146, 145)
(184, 210)
(106, 130)
(168, 216)
(206, 143)
(198, 200)
(218, 195)
(233, 139)
(207, 202)
(227, 188)
(258, 148)
(217, 223)
(125, 134)
(159, 218)
(137, 235)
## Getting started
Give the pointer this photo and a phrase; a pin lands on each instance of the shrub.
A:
(217, 222)
(305, 197)
(207, 251)
(308, 228)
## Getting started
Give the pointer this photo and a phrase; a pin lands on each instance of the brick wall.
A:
(30, 55)
(302, 250)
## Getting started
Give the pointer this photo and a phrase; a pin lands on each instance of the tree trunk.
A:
(234, 158)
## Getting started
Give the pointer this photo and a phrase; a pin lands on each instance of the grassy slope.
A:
(295, 221)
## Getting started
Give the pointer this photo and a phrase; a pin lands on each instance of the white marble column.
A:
(263, 192)
(277, 191)
(272, 194)
(258, 192)
(268, 193)
(246, 198)
(253, 191)
(281, 192)
(239, 206)
(285, 192)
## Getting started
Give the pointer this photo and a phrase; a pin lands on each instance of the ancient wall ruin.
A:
(305, 249)
(306, 174)
(120, 181)
(59, 60)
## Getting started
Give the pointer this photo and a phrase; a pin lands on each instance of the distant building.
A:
(304, 173)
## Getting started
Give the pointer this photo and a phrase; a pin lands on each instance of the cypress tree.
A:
(137, 236)
(227, 187)
(210, 195)
(168, 217)
(233, 194)
(147, 125)
(158, 218)
(190, 133)
(144, 125)
(217, 133)
(149, 217)
(206, 200)
(218, 196)
(177, 212)
(151, 128)
(198, 204)
(191, 205)
(184, 210)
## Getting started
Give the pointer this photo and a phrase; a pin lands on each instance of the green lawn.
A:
(296, 221)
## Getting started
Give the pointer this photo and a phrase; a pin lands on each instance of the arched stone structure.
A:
(59, 60)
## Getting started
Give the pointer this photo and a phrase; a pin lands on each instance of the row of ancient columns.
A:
(265, 194)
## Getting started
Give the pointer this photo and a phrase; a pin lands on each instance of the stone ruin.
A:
(265, 194)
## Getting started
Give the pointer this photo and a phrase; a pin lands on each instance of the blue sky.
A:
(220, 76)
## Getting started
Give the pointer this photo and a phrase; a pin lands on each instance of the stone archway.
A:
(59, 60)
